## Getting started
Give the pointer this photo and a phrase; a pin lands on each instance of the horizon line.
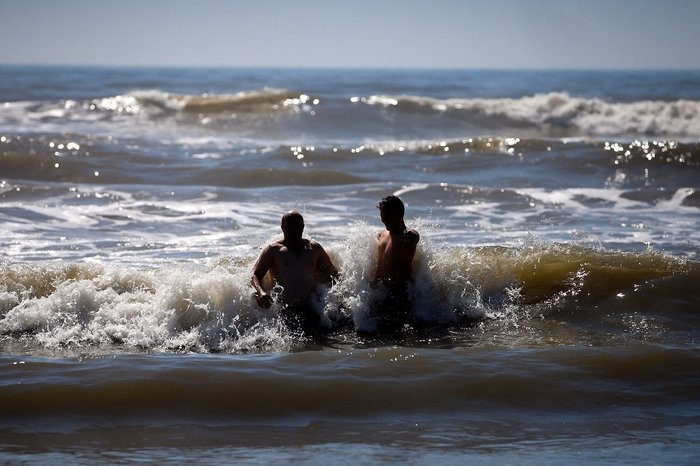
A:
(343, 67)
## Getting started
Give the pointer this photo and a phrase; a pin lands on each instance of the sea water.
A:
(555, 306)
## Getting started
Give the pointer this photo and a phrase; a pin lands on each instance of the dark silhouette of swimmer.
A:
(396, 248)
(298, 265)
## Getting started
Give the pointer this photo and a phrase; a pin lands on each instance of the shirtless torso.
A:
(297, 268)
(396, 248)
(395, 252)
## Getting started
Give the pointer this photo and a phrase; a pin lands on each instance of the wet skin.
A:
(297, 264)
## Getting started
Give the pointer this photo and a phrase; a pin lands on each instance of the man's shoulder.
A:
(273, 246)
(314, 245)
(411, 235)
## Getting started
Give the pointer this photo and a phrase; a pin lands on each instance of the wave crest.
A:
(137, 102)
(202, 308)
(561, 110)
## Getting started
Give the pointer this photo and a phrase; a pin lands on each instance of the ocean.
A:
(556, 305)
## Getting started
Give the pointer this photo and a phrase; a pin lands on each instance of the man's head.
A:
(292, 225)
(391, 211)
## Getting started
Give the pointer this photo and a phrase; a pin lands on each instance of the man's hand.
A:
(264, 300)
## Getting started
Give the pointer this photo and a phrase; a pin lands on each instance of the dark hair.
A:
(391, 205)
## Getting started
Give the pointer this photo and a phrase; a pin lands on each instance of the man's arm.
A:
(412, 236)
(262, 266)
(325, 269)
(411, 239)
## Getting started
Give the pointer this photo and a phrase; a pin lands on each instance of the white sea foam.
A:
(137, 227)
(207, 306)
(559, 109)
(184, 308)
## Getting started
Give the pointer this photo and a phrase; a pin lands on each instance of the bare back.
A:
(296, 270)
(395, 253)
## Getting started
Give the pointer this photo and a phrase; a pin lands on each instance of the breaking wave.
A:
(154, 100)
(561, 110)
(208, 307)
(557, 114)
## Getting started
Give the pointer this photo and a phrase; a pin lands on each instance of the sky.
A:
(500, 34)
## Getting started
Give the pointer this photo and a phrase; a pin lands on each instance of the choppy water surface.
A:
(556, 303)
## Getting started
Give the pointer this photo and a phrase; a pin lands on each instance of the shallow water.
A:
(555, 301)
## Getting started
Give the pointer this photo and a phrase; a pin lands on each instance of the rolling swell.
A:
(326, 385)
(48, 308)
(75, 158)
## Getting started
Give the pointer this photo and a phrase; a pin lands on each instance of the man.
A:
(396, 248)
(297, 265)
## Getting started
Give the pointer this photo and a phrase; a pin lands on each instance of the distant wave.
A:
(157, 114)
(555, 114)
(559, 109)
(256, 100)
(154, 104)
(554, 110)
